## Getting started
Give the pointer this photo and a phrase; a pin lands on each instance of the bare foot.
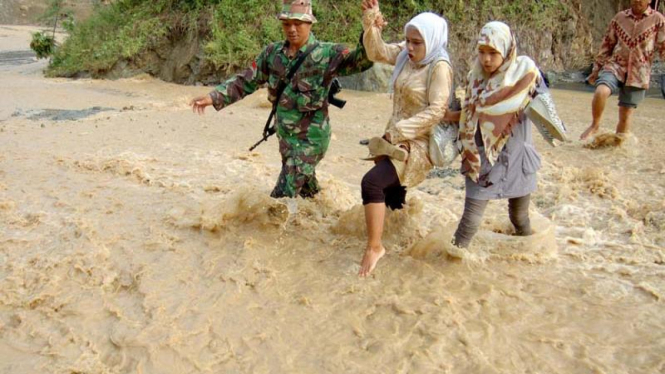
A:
(371, 257)
(590, 131)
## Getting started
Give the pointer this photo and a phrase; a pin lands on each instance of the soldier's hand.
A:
(380, 21)
(200, 103)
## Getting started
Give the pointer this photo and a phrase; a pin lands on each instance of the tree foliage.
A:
(232, 32)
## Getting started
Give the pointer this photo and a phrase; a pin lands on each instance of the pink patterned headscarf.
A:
(493, 104)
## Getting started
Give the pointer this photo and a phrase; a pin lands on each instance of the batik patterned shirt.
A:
(630, 46)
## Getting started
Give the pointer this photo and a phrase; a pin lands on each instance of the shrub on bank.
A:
(232, 32)
(42, 44)
(113, 33)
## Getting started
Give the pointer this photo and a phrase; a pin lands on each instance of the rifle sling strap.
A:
(281, 86)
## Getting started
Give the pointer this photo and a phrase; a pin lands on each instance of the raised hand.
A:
(367, 5)
(370, 4)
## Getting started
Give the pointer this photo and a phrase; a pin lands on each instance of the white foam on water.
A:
(150, 245)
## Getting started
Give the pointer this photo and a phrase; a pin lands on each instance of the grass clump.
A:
(43, 44)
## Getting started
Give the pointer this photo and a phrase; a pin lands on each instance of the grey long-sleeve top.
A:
(514, 173)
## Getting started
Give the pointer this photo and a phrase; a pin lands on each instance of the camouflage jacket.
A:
(304, 101)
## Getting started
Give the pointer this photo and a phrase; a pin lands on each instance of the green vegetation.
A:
(239, 30)
(42, 44)
(232, 32)
(57, 11)
(114, 32)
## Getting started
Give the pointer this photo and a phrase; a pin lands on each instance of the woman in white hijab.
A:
(421, 86)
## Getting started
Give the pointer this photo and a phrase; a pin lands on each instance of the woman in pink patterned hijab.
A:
(498, 157)
(494, 100)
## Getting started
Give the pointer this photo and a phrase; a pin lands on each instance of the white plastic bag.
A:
(542, 112)
(443, 144)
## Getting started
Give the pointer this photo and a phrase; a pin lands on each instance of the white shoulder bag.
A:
(444, 136)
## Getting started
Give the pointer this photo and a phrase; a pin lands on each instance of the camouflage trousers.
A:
(298, 175)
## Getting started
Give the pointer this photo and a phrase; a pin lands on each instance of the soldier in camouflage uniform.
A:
(302, 123)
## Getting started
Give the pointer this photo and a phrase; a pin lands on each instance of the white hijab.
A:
(434, 30)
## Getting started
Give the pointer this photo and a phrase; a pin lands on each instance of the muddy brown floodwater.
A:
(137, 237)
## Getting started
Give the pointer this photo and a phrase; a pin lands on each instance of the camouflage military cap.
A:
(297, 9)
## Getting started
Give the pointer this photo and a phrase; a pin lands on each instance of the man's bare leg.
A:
(597, 109)
(375, 215)
(623, 127)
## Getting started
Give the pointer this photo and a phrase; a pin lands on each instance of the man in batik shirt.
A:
(623, 65)
(301, 120)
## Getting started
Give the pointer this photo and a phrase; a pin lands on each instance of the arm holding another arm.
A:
(377, 49)
(348, 62)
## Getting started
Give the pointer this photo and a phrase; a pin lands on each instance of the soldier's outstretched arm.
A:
(351, 61)
(243, 84)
